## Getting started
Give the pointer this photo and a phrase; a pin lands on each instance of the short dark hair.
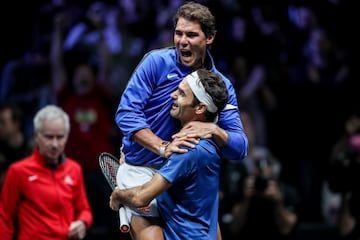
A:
(198, 13)
(216, 88)
(16, 111)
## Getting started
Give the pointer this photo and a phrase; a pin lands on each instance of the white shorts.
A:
(131, 176)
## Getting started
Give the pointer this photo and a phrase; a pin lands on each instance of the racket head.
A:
(109, 165)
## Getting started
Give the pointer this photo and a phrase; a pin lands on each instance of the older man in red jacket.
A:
(43, 195)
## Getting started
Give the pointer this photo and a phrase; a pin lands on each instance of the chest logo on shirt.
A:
(172, 75)
(85, 118)
(32, 178)
(68, 180)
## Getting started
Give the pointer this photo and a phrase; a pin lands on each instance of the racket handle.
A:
(124, 223)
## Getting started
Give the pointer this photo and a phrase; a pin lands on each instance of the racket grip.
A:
(124, 222)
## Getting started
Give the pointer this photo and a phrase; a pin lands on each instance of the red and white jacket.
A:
(42, 201)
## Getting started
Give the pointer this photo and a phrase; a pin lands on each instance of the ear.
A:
(210, 39)
(200, 109)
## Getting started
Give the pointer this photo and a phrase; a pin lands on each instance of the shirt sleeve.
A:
(237, 146)
(10, 195)
(82, 206)
(178, 167)
(130, 115)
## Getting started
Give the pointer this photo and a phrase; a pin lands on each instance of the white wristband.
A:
(163, 148)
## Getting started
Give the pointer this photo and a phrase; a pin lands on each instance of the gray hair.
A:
(51, 112)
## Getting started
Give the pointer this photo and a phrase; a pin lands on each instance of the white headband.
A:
(199, 91)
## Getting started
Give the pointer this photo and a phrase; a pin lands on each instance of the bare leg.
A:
(146, 228)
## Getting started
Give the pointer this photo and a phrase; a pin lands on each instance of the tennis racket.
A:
(109, 165)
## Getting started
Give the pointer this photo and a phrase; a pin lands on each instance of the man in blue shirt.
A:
(143, 113)
(186, 186)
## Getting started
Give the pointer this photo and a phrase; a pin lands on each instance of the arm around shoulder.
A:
(236, 148)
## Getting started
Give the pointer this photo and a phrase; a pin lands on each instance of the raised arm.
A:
(58, 72)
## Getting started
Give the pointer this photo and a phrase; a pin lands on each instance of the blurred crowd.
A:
(291, 63)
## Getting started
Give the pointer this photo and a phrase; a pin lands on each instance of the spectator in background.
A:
(25, 82)
(269, 207)
(247, 73)
(253, 93)
(13, 143)
(26, 79)
(87, 99)
(251, 49)
(317, 82)
(85, 34)
(125, 48)
(301, 19)
(104, 25)
(264, 205)
(44, 18)
(164, 24)
(44, 195)
(343, 178)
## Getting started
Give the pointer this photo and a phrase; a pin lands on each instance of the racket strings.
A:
(109, 166)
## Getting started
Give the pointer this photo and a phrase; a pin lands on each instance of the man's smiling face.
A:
(183, 108)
